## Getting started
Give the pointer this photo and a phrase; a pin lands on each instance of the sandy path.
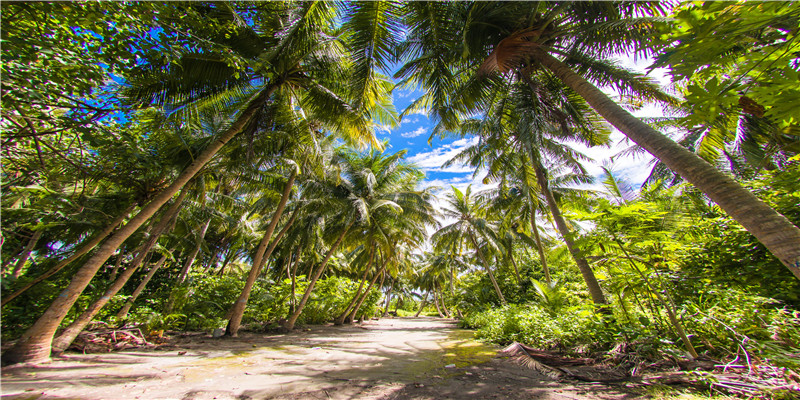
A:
(387, 359)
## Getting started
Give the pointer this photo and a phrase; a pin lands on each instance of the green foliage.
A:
(534, 325)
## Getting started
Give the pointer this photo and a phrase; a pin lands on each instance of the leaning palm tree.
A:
(290, 53)
(573, 42)
(371, 190)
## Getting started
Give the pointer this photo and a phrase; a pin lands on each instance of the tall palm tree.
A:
(572, 42)
(371, 188)
(288, 52)
(470, 228)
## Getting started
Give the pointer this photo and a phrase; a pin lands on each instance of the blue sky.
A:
(415, 129)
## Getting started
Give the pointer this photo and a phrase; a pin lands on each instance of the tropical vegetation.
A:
(202, 166)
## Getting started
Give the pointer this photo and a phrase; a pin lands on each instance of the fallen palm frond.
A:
(741, 380)
(558, 367)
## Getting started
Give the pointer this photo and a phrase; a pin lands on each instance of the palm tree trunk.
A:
(772, 229)
(444, 306)
(293, 318)
(259, 259)
(436, 303)
(588, 275)
(422, 304)
(340, 319)
(540, 248)
(26, 253)
(193, 255)
(123, 312)
(513, 263)
(293, 276)
(352, 316)
(69, 334)
(117, 263)
(186, 267)
(488, 270)
(388, 302)
(34, 345)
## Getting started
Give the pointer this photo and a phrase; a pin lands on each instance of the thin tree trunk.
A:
(35, 344)
(436, 303)
(26, 253)
(60, 343)
(184, 274)
(540, 248)
(123, 312)
(212, 262)
(422, 304)
(296, 314)
(488, 270)
(388, 299)
(444, 306)
(513, 263)
(259, 259)
(673, 319)
(117, 263)
(228, 258)
(772, 229)
(588, 275)
(340, 319)
(193, 255)
(352, 316)
(294, 280)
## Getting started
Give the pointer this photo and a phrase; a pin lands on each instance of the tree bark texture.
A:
(26, 253)
(60, 343)
(586, 271)
(293, 318)
(259, 259)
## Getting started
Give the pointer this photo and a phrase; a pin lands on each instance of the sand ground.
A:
(401, 358)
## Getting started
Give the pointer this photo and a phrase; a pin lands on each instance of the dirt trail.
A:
(410, 358)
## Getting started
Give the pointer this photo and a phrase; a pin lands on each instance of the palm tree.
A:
(371, 191)
(558, 39)
(294, 63)
(471, 226)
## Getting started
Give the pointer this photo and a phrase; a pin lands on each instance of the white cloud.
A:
(402, 94)
(433, 160)
(414, 133)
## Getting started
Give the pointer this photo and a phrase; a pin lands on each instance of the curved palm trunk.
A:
(513, 262)
(352, 316)
(436, 303)
(293, 276)
(259, 259)
(117, 263)
(193, 255)
(341, 318)
(186, 267)
(772, 229)
(123, 312)
(34, 345)
(296, 314)
(69, 334)
(488, 271)
(388, 298)
(422, 304)
(540, 248)
(588, 275)
(26, 253)
(85, 248)
(444, 305)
